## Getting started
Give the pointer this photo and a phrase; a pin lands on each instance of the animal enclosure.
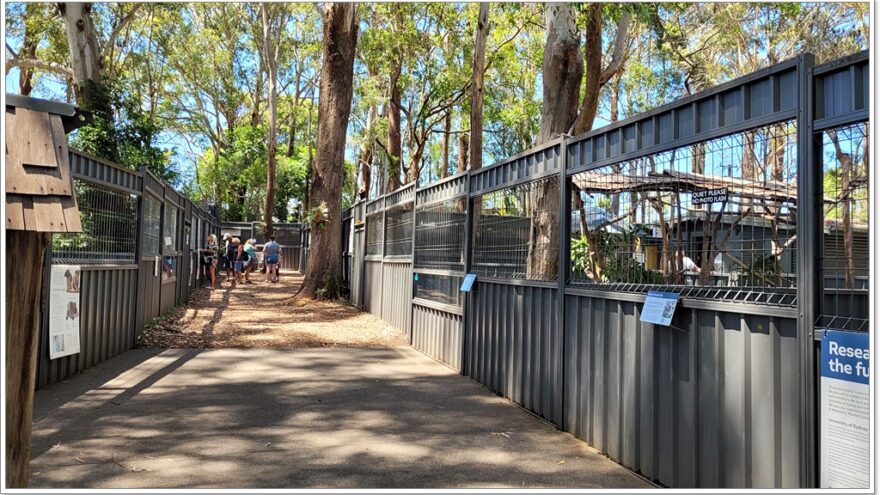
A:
(710, 197)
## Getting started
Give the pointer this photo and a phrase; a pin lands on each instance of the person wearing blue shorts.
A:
(272, 257)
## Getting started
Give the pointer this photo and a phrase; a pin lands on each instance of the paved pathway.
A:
(297, 418)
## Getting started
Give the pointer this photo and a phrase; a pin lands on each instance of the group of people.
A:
(239, 259)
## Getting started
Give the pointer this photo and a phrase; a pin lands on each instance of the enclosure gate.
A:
(137, 257)
(699, 197)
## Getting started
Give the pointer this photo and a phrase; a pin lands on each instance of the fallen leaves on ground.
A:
(254, 315)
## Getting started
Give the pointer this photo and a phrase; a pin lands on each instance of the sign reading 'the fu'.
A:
(845, 405)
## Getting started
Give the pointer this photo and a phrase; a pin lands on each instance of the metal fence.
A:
(137, 255)
(711, 197)
(288, 235)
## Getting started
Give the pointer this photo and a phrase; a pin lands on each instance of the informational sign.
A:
(167, 240)
(659, 307)
(468, 283)
(708, 196)
(845, 405)
(232, 232)
(64, 310)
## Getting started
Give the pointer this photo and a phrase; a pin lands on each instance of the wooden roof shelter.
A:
(39, 184)
(674, 181)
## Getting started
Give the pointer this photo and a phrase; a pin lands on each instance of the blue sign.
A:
(845, 356)
(468, 282)
(659, 307)
(416, 277)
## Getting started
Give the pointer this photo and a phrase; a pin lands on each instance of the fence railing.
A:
(137, 257)
(710, 197)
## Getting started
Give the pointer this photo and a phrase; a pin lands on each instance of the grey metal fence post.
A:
(809, 219)
(412, 259)
(468, 244)
(563, 269)
(138, 252)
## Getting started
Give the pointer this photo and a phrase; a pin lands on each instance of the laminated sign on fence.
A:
(64, 310)
(845, 411)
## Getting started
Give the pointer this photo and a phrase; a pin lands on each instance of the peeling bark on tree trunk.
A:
(334, 110)
(22, 338)
(463, 154)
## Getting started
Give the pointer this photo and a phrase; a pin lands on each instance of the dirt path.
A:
(255, 315)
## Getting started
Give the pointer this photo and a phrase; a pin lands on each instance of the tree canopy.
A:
(222, 98)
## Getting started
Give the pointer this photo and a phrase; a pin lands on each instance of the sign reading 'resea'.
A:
(709, 196)
(845, 409)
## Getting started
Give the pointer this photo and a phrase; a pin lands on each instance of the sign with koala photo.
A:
(64, 310)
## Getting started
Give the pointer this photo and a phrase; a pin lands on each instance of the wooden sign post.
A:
(39, 200)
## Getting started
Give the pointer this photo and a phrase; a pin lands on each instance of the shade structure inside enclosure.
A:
(109, 222)
(845, 220)
(719, 215)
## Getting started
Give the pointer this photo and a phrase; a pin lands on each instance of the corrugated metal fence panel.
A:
(513, 345)
(711, 404)
(357, 267)
(397, 282)
(373, 287)
(148, 291)
(290, 257)
(438, 334)
(107, 328)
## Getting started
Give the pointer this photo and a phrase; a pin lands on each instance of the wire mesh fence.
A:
(109, 228)
(169, 230)
(440, 231)
(399, 230)
(152, 225)
(375, 234)
(845, 251)
(516, 231)
(717, 214)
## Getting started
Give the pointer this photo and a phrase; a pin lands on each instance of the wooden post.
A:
(39, 200)
(22, 339)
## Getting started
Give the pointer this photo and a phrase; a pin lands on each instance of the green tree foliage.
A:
(185, 87)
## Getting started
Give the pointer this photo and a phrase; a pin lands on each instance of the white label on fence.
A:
(167, 240)
(156, 267)
(64, 310)
(845, 405)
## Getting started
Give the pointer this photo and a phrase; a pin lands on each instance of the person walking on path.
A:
(229, 257)
(272, 256)
(250, 259)
(209, 258)
(240, 257)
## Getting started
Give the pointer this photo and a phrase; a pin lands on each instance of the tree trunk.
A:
(270, 55)
(463, 155)
(395, 146)
(477, 88)
(334, 109)
(563, 69)
(85, 59)
(593, 59)
(366, 155)
(444, 161)
(22, 338)
(28, 51)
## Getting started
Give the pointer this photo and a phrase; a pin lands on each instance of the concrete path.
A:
(297, 418)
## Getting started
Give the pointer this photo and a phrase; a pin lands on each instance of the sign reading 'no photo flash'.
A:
(709, 196)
